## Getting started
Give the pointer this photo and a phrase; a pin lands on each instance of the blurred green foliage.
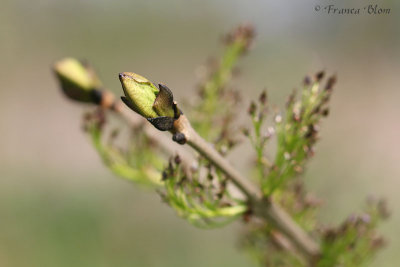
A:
(352, 243)
(297, 132)
(137, 162)
(205, 204)
(356, 241)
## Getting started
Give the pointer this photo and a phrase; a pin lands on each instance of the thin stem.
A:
(261, 206)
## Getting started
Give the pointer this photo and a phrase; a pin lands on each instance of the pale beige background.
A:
(60, 207)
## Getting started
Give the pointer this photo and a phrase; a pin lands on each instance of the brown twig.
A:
(260, 206)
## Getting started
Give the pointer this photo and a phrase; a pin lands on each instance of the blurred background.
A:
(59, 206)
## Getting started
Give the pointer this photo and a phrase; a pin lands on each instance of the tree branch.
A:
(260, 206)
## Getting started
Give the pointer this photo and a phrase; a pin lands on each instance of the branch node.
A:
(180, 138)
